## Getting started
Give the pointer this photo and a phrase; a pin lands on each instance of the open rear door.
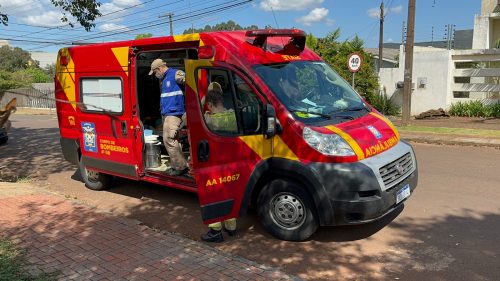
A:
(106, 116)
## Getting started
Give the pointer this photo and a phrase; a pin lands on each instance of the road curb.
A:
(451, 139)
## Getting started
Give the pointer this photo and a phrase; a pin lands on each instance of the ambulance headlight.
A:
(328, 144)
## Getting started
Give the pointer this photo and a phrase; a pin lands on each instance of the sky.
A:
(35, 25)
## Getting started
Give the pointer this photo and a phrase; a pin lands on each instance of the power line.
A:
(215, 9)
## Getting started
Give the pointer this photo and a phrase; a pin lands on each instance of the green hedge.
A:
(475, 108)
(383, 104)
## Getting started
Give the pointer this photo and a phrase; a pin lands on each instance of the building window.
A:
(461, 95)
(462, 80)
(102, 94)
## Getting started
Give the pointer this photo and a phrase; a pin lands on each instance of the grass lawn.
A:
(13, 262)
(451, 131)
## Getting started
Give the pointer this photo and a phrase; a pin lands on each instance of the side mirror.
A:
(271, 126)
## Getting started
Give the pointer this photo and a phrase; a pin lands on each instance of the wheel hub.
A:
(92, 175)
(287, 210)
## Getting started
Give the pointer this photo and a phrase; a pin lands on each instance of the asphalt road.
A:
(448, 230)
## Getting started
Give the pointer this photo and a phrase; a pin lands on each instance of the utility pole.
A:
(381, 37)
(169, 15)
(408, 64)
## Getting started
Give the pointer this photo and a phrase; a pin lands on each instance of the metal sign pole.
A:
(353, 79)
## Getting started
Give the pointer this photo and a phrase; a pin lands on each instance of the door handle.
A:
(203, 151)
(124, 128)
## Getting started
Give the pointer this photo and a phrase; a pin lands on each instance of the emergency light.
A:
(63, 60)
(206, 52)
(298, 36)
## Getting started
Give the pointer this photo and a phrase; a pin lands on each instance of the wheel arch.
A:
(279, 168)
(71, 150)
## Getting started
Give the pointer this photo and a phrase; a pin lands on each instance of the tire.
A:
(94, 180)
(286, 210)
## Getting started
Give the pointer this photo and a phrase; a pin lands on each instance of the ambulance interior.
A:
(237, 96)
(155, 156)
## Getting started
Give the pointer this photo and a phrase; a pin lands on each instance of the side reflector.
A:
(63, 60)
(206, 52)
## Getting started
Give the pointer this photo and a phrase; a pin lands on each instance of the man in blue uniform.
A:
(172, 109)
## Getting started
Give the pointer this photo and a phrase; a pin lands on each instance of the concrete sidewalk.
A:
(83, 244)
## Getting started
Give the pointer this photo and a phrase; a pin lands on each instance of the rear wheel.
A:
(286, 210)
(94, 180)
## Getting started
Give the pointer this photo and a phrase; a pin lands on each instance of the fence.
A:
(29, 97)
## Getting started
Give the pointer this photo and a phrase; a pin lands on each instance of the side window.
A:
(102, 94)
(248, 106)
(218, 103)
(229, 105)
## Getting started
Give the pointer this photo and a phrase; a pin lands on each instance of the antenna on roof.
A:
(191, 17)
(274, 16)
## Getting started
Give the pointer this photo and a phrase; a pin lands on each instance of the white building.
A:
(44, 58)
(442, 77)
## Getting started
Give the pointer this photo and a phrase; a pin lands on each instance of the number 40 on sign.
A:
(354, 62)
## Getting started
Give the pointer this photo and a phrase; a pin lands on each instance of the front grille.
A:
(393, 172)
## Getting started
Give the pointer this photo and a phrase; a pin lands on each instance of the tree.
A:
(18, 69)
(230, 25)
(4, 19)
(311, 41)
(7, 81)
(143, 35)
(84, 11)
(13, 59)
(50, 70)
(336, 54)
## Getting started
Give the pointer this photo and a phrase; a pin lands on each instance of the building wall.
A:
(487, 6)
(495, 31)
(481, 38)
(44, 58)
(445, 83)
(431, 76)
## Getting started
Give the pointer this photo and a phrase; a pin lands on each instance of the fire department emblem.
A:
(375, 132)
(89, 137)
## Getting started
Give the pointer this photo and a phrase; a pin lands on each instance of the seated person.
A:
(217, 117)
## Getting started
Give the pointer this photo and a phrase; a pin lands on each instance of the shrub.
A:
(13, 263)
(383, 104)
(475, 108)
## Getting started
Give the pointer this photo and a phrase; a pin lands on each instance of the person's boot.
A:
(229, 232)
(213, 236)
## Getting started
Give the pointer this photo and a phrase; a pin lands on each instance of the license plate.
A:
(403, 193)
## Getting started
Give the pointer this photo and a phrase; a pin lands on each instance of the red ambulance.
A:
(307, 150)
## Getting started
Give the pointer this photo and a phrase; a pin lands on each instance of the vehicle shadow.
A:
(347, 233)
(32, 153)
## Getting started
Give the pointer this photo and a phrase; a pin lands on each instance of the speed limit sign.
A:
(354, 62)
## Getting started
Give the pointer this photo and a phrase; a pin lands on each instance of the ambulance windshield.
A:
(311, 89)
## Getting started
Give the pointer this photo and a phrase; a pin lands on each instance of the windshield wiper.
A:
(357, 109)
(344, 117)
(348, 110)
(313, 113)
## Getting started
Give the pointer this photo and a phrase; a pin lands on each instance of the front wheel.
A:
(94, 180)
(286, 210)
